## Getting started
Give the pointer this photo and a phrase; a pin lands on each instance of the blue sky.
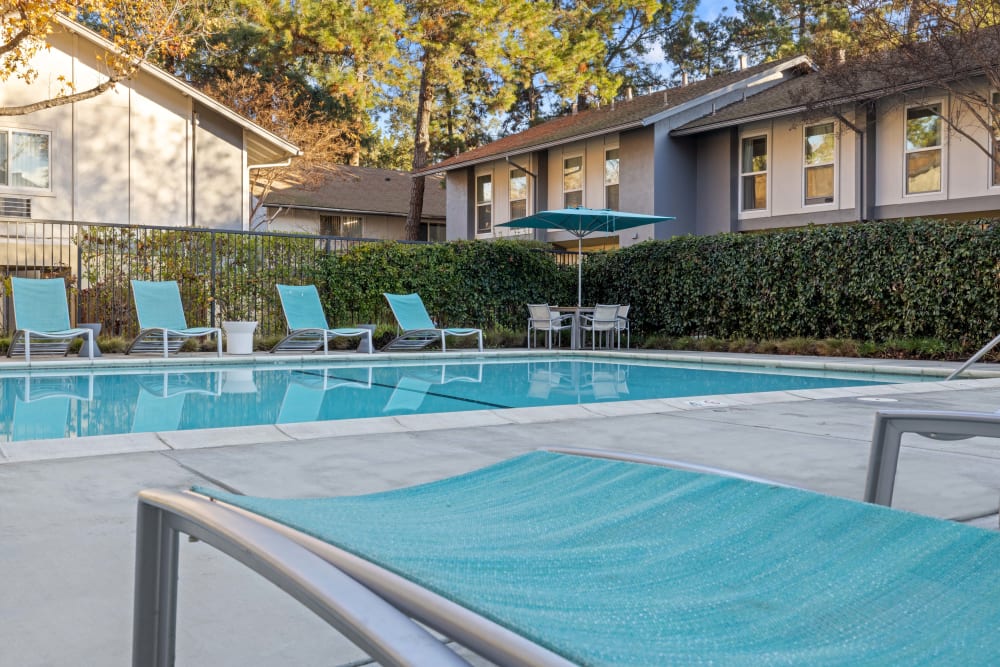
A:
(710, 9)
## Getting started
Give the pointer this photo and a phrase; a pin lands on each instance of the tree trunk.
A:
(421, 150)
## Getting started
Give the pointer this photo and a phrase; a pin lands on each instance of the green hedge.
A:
(872, 281)
(463, 283)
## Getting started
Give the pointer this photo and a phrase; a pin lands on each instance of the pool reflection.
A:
(52, 404)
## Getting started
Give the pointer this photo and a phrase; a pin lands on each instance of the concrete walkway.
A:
(67, 511)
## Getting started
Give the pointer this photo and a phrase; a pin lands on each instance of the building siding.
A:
(125, 156)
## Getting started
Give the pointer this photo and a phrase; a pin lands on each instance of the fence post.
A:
(75, 233)
(211, 281)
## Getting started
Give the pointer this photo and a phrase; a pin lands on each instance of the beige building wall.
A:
(128, 155)
(592, 151)
(786, 169)
(499, 171)
(159, 138)
(457, 205)
(966, 167)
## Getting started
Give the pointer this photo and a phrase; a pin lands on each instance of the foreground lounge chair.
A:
(41, 312)
(162, 325)
(574, 557)
(418, 330)
(308, 329)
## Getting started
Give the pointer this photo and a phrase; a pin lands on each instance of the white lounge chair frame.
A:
(55, 341)
(298, 304)
(154, 339)
(409, 309)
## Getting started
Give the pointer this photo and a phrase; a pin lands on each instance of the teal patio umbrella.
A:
(581, 222)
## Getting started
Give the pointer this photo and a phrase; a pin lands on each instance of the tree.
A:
(700, 49)
(337, 56)
(140, 31)
(273, 105)
(453, 45)
(917, 49)
(765, 29)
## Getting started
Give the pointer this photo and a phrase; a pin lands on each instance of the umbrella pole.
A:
(579, 271)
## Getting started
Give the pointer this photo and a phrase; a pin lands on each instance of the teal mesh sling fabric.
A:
(611, 563)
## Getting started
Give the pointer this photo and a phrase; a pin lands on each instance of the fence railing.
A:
(223, 275)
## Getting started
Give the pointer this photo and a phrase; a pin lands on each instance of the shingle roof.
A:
(599, 120)
(879, 76)
(361, 190)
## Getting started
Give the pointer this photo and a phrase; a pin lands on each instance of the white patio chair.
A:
(604, 320)
(622, 324)
(543, 318)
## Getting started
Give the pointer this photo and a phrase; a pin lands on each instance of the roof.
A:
(615, 117)
(263, 146)
(864, 79)
(361, 190)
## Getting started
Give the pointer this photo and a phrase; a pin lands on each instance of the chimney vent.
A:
(841, 56)
(628, 93)
(743, 61)
(575, 107)
(684, 78)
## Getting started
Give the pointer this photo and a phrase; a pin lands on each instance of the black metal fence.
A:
(223, 275)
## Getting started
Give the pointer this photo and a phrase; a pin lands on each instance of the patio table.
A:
(576, 312)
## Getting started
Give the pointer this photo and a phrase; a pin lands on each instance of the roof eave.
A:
(348, 211)
(824, 104)
(433, 169)
(760, 77)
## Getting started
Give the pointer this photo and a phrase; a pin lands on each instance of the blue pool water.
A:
(39, 405)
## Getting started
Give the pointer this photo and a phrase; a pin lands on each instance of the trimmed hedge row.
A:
(872, 281)
(463, 283)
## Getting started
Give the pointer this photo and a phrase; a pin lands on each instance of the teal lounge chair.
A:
(590, 558)
(41, 314)
(418, 330)
(308, 329)
(162, 325)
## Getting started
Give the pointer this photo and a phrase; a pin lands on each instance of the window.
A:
(923, 149)
(996, 139)
(518, 193)
(435, 233)
(611, 176)
(753, 169)
(573, 182)
(484, 204)
(346, 226)
(820, 150)
(24, 159)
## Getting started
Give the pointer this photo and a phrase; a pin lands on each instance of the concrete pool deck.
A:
(67, 508)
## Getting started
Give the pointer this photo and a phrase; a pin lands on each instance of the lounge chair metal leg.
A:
(166, 347)
(27, 346)
(154, 624)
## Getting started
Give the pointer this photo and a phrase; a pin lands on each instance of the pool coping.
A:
(60, 448)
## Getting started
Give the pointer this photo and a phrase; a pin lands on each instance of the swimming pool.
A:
(71, 403)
